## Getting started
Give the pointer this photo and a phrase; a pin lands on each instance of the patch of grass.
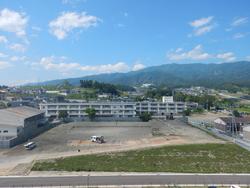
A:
(198, 158)
(245, 109)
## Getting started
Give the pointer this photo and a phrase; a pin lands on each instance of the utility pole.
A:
(88, 180)
(233, 124)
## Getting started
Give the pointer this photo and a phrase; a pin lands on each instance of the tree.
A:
(2, 105)
(91, 113)
(145, 116)
(198, 110)
(63, 114)
(187, 112)
(236, 113)
(65, 85)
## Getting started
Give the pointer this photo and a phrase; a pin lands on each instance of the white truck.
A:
(97, 139)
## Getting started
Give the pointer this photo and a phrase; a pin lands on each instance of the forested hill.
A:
(177, 75)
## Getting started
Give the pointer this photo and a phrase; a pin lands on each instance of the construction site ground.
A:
(74, 139)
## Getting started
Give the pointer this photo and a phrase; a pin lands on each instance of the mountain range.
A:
(176, 75)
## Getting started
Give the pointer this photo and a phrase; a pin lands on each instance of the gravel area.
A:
(73, 139)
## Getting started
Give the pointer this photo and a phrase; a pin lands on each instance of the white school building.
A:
(116, 109)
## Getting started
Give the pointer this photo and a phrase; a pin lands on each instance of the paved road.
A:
(124, 180)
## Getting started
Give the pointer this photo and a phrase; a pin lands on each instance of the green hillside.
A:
(178, 75)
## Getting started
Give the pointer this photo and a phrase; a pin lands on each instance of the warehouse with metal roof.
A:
(20, 124)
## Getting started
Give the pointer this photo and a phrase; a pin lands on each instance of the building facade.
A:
(20, 124)
(116, 109)
(167, 99)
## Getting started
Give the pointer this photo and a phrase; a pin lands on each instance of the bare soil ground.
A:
(73, 139)
(208, 116)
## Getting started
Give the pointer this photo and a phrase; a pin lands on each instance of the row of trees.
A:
(145, 116)
(105, 87)
(207, 101)
(90, 111)
(158, 92)
(101, 87)
(3, 87)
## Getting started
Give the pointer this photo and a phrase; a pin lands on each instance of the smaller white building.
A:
(104, 96)
(167, 99)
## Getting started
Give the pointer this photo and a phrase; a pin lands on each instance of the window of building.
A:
(5, 131)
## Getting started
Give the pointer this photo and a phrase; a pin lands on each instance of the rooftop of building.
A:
(16, 116)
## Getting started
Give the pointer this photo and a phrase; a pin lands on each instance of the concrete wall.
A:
(7, 142)
(32, 125)
(8, 131)
(10, 142)
(112, 119)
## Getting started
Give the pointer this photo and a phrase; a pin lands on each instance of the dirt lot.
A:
(208, 116)
(67, 139)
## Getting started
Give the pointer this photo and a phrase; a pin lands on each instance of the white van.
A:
(30, 145)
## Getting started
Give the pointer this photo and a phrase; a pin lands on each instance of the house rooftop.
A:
(16, 116)
(236, 119)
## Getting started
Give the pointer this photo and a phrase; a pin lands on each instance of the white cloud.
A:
(107, 68)
(229, 56)
(18, 58)
(73, 2)
(12, 21)
(202, 26)
(138, 66)
(239, 21)
(195, 54)
(2, 55)
(201, 22)
(60, 65)
(178, 50)
(121, 25)
(239, 35)
(35, 28)
(3, 39)
(203, 30)
(50, 63)
(66, 22)
(4, 65)
(18, 47)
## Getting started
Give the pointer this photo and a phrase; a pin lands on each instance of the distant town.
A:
(46, 106)
(125, 93)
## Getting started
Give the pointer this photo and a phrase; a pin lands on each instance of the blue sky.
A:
(51, 39)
